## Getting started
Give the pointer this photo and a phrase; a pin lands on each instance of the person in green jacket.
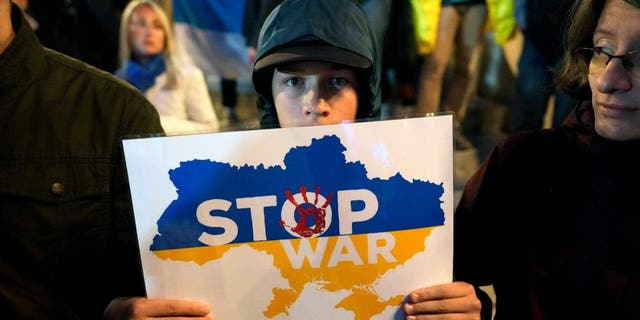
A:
(67, 239)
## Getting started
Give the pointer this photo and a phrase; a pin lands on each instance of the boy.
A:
(316, 65)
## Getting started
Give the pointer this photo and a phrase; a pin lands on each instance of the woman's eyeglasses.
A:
(598, 60)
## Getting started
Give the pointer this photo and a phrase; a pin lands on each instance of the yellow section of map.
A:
(344, 262)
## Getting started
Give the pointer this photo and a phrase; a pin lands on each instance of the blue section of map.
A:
(403, 204)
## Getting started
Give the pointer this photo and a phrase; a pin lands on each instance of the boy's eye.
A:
(338, 82)
(293, 82)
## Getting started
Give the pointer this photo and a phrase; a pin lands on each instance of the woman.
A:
(148, 61)
(551, 218)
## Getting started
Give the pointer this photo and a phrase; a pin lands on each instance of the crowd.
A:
(548, 219)
(431, 57)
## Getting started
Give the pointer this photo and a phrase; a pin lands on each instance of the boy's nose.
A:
(316, 104)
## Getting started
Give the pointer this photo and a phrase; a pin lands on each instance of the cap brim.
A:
(312, 52)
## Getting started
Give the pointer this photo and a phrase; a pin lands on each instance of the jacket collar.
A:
(23, 60)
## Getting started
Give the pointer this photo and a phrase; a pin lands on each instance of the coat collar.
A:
(23, 60)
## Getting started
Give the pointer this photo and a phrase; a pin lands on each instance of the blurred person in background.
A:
(459, 26)
(543, 24)
(149, 61)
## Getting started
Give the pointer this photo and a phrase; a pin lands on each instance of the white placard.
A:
(324, 222)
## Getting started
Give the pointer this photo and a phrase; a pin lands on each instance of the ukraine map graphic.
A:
(320, 217)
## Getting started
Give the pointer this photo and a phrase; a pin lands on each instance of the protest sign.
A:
(322, 222)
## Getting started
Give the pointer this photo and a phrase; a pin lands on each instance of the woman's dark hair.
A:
(572, 76)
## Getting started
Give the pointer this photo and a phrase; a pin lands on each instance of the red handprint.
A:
(310, 210)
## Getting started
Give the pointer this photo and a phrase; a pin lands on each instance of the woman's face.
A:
(146, 34)
(313, 93)
(616, 91)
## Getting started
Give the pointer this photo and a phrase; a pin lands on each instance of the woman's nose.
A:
(614, 78)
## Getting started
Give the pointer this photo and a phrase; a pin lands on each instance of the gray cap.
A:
(311, 51)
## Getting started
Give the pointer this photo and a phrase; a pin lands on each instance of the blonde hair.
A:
(169, 52)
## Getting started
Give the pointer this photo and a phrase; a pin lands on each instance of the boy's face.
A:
(314, 93)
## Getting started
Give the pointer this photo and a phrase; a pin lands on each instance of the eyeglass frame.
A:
(599, 50)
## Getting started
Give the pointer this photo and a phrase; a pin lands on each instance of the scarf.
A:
(143, 75)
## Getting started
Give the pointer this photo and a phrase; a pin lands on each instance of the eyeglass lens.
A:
(600, 60)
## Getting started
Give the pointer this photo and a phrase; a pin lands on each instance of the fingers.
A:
(442, 291)
(447, 316)
(449, 301)
(450, 305)
(171, 308)
(142, 308)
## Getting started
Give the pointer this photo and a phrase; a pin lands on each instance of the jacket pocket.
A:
(54, 214)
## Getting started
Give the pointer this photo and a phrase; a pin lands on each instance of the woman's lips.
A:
(615, 111)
